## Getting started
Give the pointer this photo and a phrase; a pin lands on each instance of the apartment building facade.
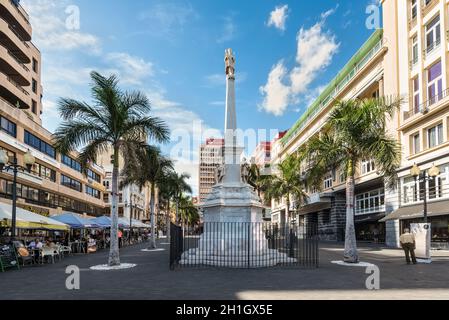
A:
(55, 183)
(262, 154)
(362, 77)
(420, 30)
(211, 157)
(407, 58)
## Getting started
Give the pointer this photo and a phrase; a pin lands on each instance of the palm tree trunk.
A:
(114, 252)
(168, 220)
(153, 230)
(351, 254)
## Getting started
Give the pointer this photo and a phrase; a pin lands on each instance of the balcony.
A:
(17, 16)
(13, 92)
(432, 47)
(426, 106)
(10, 39)
(11, 65)
(413, 63)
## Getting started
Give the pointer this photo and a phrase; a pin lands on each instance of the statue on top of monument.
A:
(230, 63)
(244, 171)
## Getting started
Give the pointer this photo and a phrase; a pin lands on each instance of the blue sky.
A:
(286, 52)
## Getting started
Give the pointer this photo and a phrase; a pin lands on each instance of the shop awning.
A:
(103, 221)
(434, 209)
(374, 217)
(139, 224)
(315, 207)
(75, 221)
(28, 220)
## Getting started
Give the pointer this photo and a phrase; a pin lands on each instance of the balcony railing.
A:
(413, 62)
(431, 47)
(18, 36)
(425, 106)
(21, 11)
(330, 98)
(18, 61)
(375, 209)
(18, 86)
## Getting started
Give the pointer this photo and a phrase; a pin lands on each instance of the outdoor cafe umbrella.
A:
(28, 220)
(106, 222)
(75, 221)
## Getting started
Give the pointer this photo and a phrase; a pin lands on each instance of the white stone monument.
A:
(233, 232)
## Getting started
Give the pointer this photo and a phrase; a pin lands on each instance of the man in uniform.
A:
(408, 244)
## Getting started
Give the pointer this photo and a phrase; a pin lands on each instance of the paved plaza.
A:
(152, 279)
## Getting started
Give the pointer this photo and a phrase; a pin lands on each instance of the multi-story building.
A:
(362, 77)
(419, 71)
(55, 183)
(262, 155)
(211, 157)
(133, 202)
(408, 58)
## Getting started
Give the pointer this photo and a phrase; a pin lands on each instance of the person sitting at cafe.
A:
(49, 243)
(36, 244)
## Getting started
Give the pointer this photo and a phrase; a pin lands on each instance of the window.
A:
(413, 190)
(44, 172)
(93, 192)
(435, 136)
(11, 155)
(106, 184)
(368, 166)
(106, 197)
(70, 162)
(71, 183)
(370, 202)
(416, 100)
(415, 50)
(35, 66)
(409, 190)
(434, 83)
(433, 34)
(415, 144)
(34, 106)
(328, 181)
(8, 126)
(93, 175)
(34, 86)
(38, 144)
(414, 8)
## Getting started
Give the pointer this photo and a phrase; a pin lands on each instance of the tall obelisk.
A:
(232, 211)
(232, 152)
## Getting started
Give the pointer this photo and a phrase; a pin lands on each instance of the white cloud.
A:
(276, 93)
(167, 19)
(278, 17)
(315, 50)
(229, 30)
(132, 70)
(50, 31)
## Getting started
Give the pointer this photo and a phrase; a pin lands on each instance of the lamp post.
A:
(424, 177)
(28, 160)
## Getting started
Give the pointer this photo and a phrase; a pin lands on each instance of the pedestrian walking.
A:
(408, 243)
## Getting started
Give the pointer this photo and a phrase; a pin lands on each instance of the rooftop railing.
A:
(340, 86)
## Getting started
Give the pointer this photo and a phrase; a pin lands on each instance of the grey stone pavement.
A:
(153, 280)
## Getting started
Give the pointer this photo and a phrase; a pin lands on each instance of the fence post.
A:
(249, 245)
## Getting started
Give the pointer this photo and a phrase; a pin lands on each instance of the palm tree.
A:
(258, 181)
(151, 168)
(355, 132)
(180, 186)
(287, 184)
(117, 120)
(166, 193)
(189, 213)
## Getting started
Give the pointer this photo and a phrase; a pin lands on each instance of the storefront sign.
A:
(37, 210)
(423, 238)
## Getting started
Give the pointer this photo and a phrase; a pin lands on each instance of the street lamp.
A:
(423, 177)
(28, 160)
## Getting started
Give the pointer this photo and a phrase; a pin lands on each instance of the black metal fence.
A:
(244, 245)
